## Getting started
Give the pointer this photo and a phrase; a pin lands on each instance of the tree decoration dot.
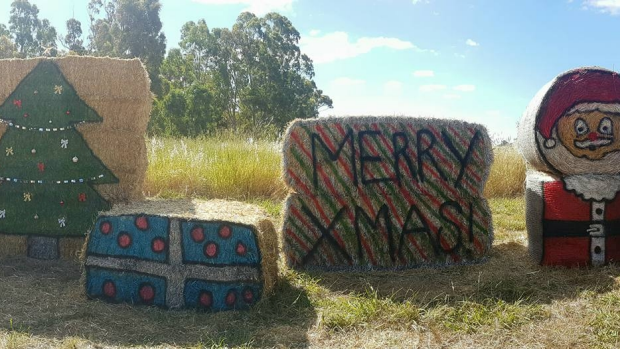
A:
(33, 151)
(75, 159)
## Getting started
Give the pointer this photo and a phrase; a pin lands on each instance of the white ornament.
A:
(2, 213)
(34, 151)
(62, 222)
(64, 143)
(75, 159)
(36, 216)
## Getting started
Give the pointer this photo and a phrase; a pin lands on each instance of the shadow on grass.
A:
(508, 275)
(45, 300)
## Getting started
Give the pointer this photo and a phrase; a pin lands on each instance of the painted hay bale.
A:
(71, 144)
(385, 192)
(213, 255)
(571, 130)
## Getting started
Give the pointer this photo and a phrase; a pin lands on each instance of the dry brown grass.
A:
(507, 176)
(507, 301)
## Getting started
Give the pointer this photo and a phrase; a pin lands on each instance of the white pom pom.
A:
(550, 143)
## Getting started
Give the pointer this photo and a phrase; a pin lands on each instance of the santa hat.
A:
(579, 90)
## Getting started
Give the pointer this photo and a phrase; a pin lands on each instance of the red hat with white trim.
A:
(591, 88)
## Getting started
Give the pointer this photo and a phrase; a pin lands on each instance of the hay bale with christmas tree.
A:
(72, 144)
(213, 255)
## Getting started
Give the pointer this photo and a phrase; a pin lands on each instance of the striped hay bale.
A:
(385, 192)
(213, 255)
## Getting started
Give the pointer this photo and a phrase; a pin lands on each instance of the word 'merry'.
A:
(386, 192)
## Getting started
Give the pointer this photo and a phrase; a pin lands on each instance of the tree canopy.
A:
(250, 77)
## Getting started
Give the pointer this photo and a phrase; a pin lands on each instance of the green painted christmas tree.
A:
(46, 167)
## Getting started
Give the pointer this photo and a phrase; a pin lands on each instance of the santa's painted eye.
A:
(606, 126)
(581, 127)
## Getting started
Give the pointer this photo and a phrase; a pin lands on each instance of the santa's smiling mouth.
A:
(594, 144)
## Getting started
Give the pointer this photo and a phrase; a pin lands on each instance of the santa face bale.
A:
(571, 126)
(569, 136)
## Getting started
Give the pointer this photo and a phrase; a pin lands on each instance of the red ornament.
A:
(25, 115)
(241, 249)
(210, 250)
(142, 222)
(68, 112)
(147, 293)
(198, 234)
(62, 203)
(41, 167)
(109, 289)
(225, 232)
(205, 299)
(17, 103)
(231, 298)
(248, 295)
(105, 227)
(82, 197)
(158, 245)
(124, 240)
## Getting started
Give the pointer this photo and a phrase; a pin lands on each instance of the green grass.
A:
(507, 301)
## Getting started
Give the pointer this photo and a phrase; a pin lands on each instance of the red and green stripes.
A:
(386, 193)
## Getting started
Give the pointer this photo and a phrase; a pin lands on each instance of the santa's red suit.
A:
(579, 228)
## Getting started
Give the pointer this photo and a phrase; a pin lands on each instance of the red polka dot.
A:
(225, 232)
(231, 298)
(142, 222)
(109, 289)
(124, 240)
(248, 295)
(241, 249)
(211, 250)
(147, 293)
(198, 234)
(158, 245)
(205, 299)
(105, 227)
(68, 112)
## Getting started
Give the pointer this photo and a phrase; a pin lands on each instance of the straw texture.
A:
(385, 192)
(215, 255)
(113, 102)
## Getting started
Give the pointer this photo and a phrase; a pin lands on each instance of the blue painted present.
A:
(173, 262)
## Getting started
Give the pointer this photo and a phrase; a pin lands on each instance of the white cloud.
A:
(315, 32)
(345, 81)
(471, 42)
(432, 88)
(609, 6)
(258, 7)
(464, 88)
(423, 73)
(393, 87)
(452, 96)
(336, 46)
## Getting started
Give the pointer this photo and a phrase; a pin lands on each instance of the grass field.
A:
(507, 301)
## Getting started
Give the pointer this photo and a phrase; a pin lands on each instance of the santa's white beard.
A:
(594, 187)
(568, 164)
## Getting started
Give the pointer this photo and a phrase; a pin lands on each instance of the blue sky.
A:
(477, 60)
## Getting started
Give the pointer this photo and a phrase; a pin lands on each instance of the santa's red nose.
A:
(593, 136)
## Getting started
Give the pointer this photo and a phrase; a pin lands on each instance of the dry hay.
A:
(118, 91)
(385, 192)
(190, 253)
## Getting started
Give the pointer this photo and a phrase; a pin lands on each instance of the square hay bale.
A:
(213, 255)
(71, 143)
(385, 192)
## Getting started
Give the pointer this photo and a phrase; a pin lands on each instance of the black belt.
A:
(567, 229)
